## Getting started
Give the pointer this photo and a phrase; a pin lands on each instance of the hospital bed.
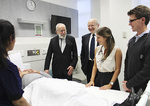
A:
(61, 92)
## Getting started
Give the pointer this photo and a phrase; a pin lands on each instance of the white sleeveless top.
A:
(107, 65)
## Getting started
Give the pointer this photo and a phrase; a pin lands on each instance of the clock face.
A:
(31, 5)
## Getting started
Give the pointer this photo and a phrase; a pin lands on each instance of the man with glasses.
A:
(64, 50)
(89, 44)
(137, 61)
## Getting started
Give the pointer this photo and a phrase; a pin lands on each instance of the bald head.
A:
(93, 25)
(93, 20)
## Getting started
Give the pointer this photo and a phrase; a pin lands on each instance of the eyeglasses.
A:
(132, 20)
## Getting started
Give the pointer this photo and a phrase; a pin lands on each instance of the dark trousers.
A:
(89, 70)
(63, 76)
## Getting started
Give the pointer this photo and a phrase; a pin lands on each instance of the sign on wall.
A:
(38, 30)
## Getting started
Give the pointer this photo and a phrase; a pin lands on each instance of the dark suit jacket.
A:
(61, 61)
(85, 52)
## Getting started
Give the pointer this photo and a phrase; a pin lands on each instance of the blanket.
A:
(61, 92)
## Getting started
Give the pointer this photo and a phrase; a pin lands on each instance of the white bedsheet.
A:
(57, 92)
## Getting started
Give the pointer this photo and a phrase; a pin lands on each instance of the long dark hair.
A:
(6, 31)
(110, 42)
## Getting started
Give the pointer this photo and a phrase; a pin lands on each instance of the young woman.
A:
(10, 81)
(107, 62)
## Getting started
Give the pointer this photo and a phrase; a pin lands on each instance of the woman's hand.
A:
(91, 83)
(28, 70)
(22, 73)
(108, 86)
(31, 71)
(36, 71)
(21, 102)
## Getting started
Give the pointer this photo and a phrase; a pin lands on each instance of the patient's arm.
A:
(27, 71)
(21, 102)
(36, 71)
(22, 73)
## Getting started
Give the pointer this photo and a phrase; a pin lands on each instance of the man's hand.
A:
(125, 87)
(47, 71)
(70, 68)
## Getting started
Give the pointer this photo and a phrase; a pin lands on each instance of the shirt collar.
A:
(92, 34)
(147, 31)
(139, 36)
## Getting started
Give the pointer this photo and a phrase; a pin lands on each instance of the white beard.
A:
(63, 37)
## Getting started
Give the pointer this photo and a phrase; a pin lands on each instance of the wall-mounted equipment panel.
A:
(33, 52)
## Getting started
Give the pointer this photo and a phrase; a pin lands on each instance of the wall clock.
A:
(31, 5)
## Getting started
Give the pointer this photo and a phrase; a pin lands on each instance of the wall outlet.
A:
(44, 51)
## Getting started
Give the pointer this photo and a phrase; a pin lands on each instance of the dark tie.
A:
(60, 43)
(92, 47)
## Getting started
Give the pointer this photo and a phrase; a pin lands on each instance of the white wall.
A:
(24, 43)
(84, 14)
(146, 3)
(95, 11)
(66, 3)
(119, 25)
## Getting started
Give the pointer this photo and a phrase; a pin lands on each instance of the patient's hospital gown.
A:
(28, 78)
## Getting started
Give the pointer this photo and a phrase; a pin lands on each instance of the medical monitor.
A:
(60, 19)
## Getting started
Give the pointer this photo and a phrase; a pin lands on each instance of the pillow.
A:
(15, 57)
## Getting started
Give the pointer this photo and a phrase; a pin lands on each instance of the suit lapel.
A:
(88, 41)
(57, 44)
(67, 43)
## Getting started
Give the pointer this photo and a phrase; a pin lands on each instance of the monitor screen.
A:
(60, 19)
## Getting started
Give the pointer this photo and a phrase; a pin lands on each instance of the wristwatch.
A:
(111, 83)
